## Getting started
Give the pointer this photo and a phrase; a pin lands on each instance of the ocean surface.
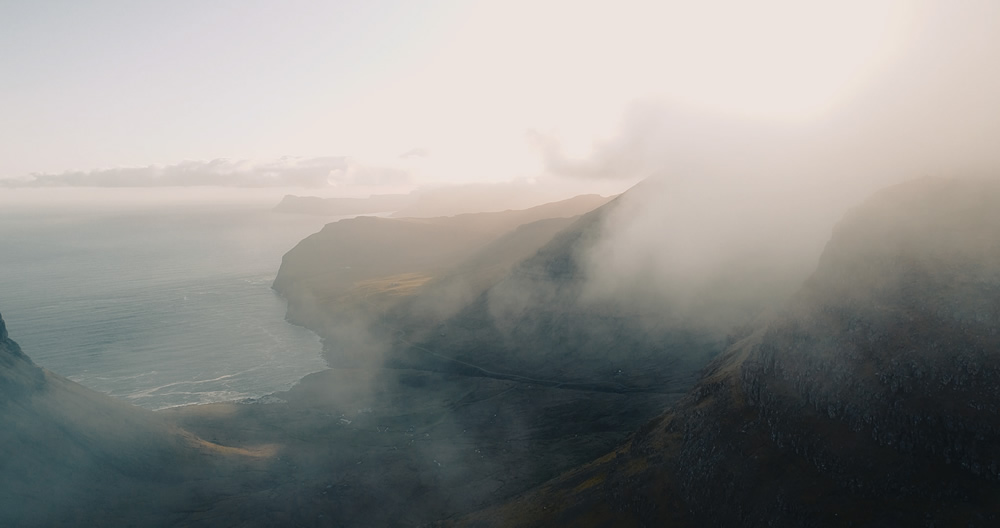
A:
(160, 307)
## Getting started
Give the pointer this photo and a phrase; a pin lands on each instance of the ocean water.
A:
(160, 307)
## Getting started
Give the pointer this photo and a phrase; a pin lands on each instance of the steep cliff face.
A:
(329, 278)
(872, 400)
(544, 319)
(537, 321)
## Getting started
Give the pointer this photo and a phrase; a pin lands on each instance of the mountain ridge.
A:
(544, 316)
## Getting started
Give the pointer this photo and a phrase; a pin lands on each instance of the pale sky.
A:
(468, 88)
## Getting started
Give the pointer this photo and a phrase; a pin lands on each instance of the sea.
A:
(159, 306)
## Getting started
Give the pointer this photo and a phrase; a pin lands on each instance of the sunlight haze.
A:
(124, 84)
(500, 263)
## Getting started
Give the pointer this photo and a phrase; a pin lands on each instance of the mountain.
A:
(543, 319)
(337, 281)
(349, 446)
(515, 396)
(451, 200)
(399, 447)
(472, 295)
(451, 291)
(870, 400)
(73, 456)
(373, 447)
(534, 391)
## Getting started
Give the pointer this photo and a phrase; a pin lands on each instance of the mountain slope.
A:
(76, 457)
(872, 400)
(447, 294)
(544, 319)
(339, 281)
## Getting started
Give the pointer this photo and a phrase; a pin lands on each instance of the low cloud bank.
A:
(318, 172)
(727, 192)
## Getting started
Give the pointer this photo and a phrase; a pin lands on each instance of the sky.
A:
(343, 97)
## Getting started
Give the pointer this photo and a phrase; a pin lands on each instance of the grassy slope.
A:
(321, 270)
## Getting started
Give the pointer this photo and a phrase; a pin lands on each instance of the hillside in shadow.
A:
(870, 400)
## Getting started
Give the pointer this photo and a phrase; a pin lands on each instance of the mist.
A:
(724, 190)
(729, 213)
(609, 260)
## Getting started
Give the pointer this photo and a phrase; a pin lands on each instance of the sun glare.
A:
(776, 59)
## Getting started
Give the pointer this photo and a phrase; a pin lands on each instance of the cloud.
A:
(655, 137)
(415, 153)
(932, 109)
(221, 172)
(727, 194)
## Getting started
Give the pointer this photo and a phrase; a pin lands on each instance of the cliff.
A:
(871, 400)
(339, 281)
(542, 318)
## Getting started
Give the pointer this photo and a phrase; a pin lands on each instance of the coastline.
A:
(133, 302)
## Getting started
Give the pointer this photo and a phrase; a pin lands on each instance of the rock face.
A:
(872, 400)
